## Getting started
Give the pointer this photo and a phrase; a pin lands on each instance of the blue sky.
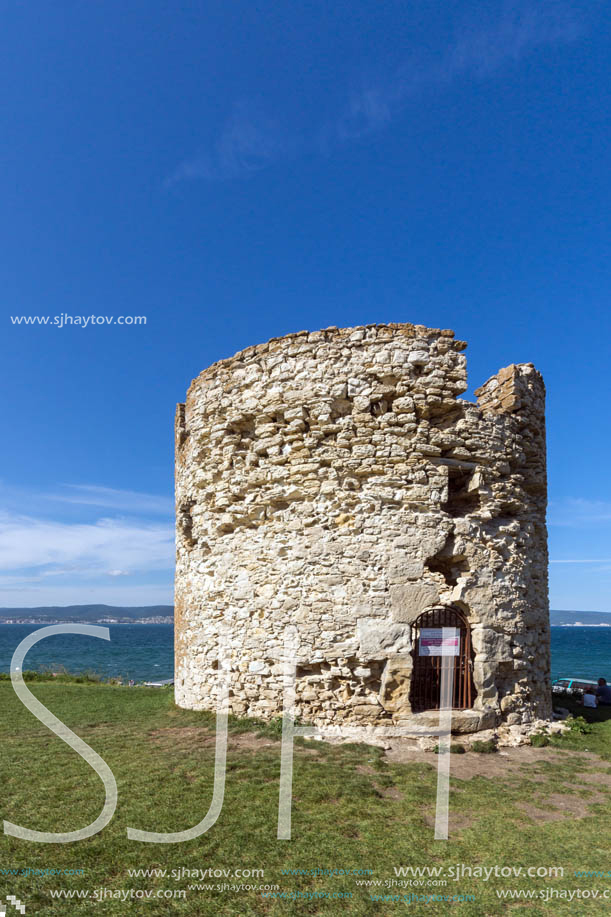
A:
(237, 171)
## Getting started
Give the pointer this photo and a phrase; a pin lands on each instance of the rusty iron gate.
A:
(426, 674)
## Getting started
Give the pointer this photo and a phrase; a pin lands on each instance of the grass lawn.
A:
(352, 809)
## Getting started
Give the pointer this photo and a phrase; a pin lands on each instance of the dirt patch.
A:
(516, 762)
(507, 761)
(456, 821)
(304, 750)
(595, 778)
(366, 769)
(534, 776)
(200, 737)
(557, 806)
(539, 814)
(388, 792)
(183, 735)
(588, 791)
(203, 737)
(251, 740)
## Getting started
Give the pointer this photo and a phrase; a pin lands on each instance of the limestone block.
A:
(496, 645)
(408, 601)
(396, 684)
(402, 568)
(379, 639)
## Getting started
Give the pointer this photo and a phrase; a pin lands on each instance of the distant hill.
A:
(164, 614)
(88, 614)
(591, 618)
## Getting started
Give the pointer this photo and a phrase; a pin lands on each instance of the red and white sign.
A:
(434, 642)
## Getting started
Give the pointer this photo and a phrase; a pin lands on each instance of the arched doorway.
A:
(426, 673)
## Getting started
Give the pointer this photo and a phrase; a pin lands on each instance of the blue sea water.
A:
(581, 652)
(146, 651)
(143, 652)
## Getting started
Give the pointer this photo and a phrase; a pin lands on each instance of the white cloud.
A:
(35, 501)
(520, 30)
(479, 51)
(127, 501)
(80, 557)
(108, 544)
(575, 512)
(369, 110)
(250, 141)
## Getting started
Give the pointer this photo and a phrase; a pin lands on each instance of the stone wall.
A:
(335, 482)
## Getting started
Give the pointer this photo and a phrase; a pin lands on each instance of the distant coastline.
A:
(89, 614)
(580, 624)
(49, 621)
(164, 614)
(579, 618)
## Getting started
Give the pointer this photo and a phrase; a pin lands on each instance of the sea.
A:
(138, 652)
(145, 652)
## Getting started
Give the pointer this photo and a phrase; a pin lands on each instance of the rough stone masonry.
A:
(335, 481)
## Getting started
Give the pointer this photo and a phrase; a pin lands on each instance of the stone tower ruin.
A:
(336, 483)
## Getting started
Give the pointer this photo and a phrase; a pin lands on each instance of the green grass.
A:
(351, 809)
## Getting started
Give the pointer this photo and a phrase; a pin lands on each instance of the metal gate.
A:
(426, 673)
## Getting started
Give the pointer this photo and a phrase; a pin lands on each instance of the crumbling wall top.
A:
(514, 387)
(378, 332)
